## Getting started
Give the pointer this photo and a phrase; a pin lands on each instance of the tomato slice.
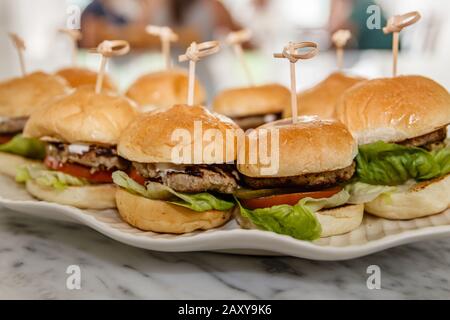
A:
(134, 174)
(287, 198)
(102, 176)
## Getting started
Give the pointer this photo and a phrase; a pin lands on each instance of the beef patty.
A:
(251, 122)
(191, 178)
(12, 125)
(427, 141)
(307, 181)
(96, 157)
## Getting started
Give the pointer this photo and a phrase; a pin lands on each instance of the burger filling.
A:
(287, 205)
(95, 158)
(11, 140)
(430, 141)
(383, 168)
(254, 121)
(74, 165)
(197, 187)
(191, 178)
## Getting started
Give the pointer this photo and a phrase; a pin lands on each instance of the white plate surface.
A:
(373, 235)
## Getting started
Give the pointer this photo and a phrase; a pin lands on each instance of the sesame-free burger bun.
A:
(19, 97)
(321, 99)
(9, 163)
(96, 197)
(83, 117)
(154, 136)
(333, 221)
(420, 200)
(164, 217)
(250, 101)
(164, 89)
(78, 77)
(309, 146)
(394, 109)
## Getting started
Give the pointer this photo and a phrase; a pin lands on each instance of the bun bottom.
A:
(333, 221)
(423, 199)
(96, 197)
(10, 162)
(161, 216)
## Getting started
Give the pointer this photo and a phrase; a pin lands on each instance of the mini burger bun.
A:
(78, 77)
(161, 216)
(309, 146)
(394, 109)
(19, 97)
(333, 221)
(164, 89)
(252, 101)
(320, 100)
(422, 199)
(9, 163)
(96, 197)
(83, 116)
(152, 137)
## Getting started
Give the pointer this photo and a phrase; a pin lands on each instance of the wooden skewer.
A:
(290, 53)
(108, 49)
(193, 54)
(394, 25)
(166, 36)
(235, 39)
(75, 36)
(20, 47)
(340, 39)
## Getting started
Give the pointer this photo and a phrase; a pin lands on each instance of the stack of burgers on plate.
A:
(378, 145)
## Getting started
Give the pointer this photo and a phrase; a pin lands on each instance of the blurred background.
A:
(425, 46)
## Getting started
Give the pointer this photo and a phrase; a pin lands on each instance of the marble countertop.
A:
(35, 255)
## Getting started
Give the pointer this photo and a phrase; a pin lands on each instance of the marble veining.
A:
(35, 253)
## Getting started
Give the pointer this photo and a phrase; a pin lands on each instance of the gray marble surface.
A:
(35, 254)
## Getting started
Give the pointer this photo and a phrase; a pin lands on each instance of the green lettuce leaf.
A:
(442, 157)
(199, 202)
(25, 147)
(47, 178)
(297, 221)
(361, 192)
(392, 164)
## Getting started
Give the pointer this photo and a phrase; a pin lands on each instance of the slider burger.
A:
(81, 131)
(78, 77)
(251, 107)
(305, 197)
(403, 166)
(162, 193)
(321, 99)
(19, 97)
(163, 89)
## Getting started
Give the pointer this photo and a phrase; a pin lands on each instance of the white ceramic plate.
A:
(373, 235)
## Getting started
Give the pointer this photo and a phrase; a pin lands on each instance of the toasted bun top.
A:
(182, 130)
(394, 109)
(164, 89)
(309, 146)
(249, 101)
(78, 77)
(83, 117)
(320, 100)
(19, 97)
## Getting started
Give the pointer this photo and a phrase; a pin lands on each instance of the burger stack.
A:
(387, 155)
